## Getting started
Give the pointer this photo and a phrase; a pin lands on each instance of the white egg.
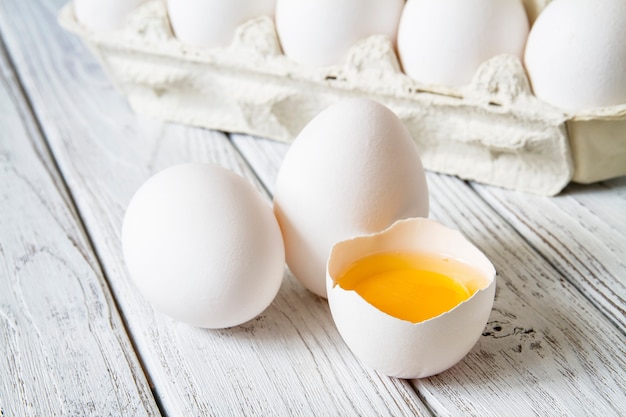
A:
(353, 169)
(203, 246)
(320, 32)
(398, 347)
(104, 15)
(576, 54)
(212, 23)
(445, 41)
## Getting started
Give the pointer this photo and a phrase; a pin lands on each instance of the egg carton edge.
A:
(495, 132)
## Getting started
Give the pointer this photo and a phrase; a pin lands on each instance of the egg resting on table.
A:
(353, 169)
(203, 246)
(320, 32)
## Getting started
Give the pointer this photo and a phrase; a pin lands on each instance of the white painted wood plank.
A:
(546, 349)
(290, 360)
(582, 232)
(63, 347)
(264, 155)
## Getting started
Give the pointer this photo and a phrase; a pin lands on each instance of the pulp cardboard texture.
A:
(493, 131)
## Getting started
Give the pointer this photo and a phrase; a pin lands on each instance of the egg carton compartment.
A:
(492, 131)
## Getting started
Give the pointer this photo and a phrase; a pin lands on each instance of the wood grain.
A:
(288, 361)
(581, 232)
(63, 347)
(546, 349)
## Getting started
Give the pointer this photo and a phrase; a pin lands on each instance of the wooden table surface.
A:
(77, 339)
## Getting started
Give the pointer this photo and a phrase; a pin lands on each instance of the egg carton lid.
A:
(493, 131)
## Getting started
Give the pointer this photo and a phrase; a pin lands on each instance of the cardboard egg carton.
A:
(493, 131)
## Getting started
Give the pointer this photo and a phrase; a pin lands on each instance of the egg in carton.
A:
(493, 131)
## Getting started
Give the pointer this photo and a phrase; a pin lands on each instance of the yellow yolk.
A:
(411, 286)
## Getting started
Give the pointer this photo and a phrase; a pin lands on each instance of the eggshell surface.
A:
(445, 41)
(104, 15)
(353, 169)
(576, 54)
(396, 347)
(212, 23)
(203, 246)
(320, 32)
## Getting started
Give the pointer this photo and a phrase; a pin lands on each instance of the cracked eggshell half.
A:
(354, 169)
(212, 23)
(400, 348)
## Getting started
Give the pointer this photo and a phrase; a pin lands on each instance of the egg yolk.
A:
(411, 286)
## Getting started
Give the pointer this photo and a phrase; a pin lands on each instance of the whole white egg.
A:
(104, 15)
(353, 169)
(445, 41)
(203, 246)
(320, 32)
(576, 54)
(212, 23)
